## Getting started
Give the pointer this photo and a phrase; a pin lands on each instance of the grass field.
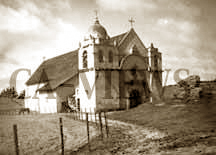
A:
(160, 130)
(40, 134)
(171, 118)
(7, 104)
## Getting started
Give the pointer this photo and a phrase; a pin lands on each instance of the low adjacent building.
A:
(104, 73)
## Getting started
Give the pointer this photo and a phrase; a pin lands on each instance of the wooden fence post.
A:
(101, 126)
(107, 129)
(79, 115)
(16, 139)
(87, 123)
(62, 135)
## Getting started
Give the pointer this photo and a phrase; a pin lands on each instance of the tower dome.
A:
(97, 31)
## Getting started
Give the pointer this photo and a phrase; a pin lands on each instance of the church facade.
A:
(104, 73)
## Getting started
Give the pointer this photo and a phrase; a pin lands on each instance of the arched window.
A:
(100, 56)
(110, 56)
(155, 61)
(85, 62)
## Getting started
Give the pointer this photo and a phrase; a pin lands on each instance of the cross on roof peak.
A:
(132, 21)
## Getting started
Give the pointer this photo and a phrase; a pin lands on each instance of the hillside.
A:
(170, 118)
(8, 104)
(161, 129)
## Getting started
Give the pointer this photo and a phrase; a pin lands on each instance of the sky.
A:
(31, 31)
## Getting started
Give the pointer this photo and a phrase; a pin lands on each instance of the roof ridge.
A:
(118, 35)
(53, 68)
(74, 52)
(127, 33)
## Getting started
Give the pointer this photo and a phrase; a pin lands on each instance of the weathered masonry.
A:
(104, 73)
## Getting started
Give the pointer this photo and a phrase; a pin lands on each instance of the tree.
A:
(9, 92)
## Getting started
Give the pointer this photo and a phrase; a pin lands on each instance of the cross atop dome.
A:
(96, 17)
(96, 30)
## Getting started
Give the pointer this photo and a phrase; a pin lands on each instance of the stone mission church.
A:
(104, 73)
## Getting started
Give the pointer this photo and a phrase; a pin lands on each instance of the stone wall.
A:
(185, 91)
(191, 89)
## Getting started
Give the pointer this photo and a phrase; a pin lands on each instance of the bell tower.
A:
(97, 58)
(156, 73)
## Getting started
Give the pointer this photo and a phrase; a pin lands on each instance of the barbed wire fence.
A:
(97, 120)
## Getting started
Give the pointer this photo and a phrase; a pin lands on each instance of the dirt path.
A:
(126, 138)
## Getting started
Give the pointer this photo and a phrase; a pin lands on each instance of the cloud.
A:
(21, 21)
(14, 4)
(182, 30)
(26, 33)
(29, 33)
(4, 83)
(152, 9)
(125, 5)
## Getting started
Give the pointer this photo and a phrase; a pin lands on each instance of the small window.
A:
(155, 61)
(100, 56)
(85, 62)
(110, 56)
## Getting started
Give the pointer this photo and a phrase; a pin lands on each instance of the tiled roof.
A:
(123, 38)
(118, 38)
(56, 70)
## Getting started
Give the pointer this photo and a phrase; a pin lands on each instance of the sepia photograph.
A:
(106, 77)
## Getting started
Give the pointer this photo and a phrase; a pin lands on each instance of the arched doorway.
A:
(133, 83)
(135, 98)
